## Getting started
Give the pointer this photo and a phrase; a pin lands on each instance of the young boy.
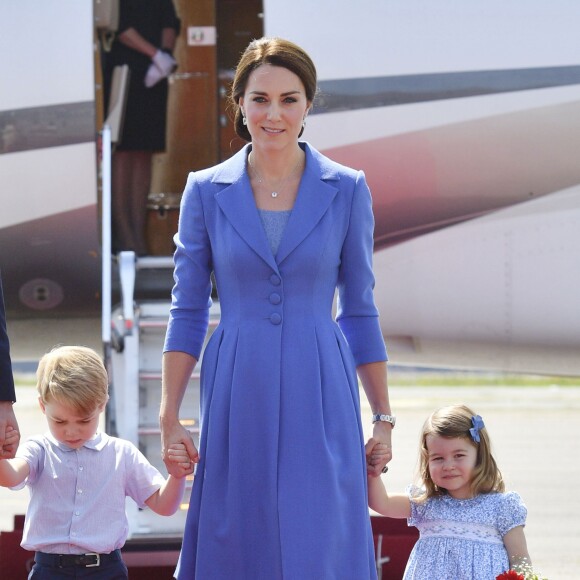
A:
(79, 478)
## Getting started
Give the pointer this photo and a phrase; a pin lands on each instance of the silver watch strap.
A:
(385, 418)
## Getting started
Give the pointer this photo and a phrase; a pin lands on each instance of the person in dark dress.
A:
(7, 391)
(145, 40)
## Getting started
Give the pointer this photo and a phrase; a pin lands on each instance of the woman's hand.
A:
(177, 448)
(177, 369)
(373, 377)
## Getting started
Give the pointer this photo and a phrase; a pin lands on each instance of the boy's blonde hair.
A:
(456, 421)
(73, 376)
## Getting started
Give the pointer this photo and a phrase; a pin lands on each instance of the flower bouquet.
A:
(510, 575)
(522, 571)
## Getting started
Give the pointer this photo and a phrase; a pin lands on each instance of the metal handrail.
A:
(106, 236)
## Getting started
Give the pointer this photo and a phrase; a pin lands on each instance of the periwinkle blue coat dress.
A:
(280, 490)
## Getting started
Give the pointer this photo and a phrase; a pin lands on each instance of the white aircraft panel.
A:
(44, 182)
(49, 52)
(355, 126)
(510, 278)
(422, 36)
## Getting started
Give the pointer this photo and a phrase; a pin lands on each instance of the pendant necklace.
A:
(281, 184)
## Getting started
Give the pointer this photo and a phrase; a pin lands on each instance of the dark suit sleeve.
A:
(7, 392)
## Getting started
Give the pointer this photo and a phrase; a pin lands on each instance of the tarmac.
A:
(534, 434)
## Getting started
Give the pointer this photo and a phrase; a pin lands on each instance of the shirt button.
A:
(79, 491)
(275, 298)
(275, 318)
(81, 468)
(77, 513)
(275, 279)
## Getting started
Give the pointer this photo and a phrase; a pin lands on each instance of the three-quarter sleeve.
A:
(191, 295)
(357, 314)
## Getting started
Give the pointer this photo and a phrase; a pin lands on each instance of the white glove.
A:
(164, 62)
(153, 76)
(162, 66)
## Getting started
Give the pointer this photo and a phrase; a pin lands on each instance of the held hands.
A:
(8, 424)
(162, 66)
(177, 454)
(177, 449)
(11, 439)
(378, 451)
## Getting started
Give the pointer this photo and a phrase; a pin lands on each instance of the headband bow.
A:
(478, 424)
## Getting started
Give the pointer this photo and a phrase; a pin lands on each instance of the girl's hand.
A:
(381, 434)
(377, 455)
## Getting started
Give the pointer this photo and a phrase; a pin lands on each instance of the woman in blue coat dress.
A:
(280, 487)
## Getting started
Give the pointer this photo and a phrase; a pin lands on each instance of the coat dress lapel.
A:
(314, 197)
(236, 200)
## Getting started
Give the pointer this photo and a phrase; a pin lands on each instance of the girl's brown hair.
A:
(456, 421)
(276, 52)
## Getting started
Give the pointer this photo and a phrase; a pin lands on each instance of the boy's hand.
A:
(8, 421)
(174, 433)
(11, 439)
(377, 454)
(177, 454)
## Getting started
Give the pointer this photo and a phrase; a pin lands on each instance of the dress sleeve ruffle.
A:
(512, 514)
(417, 508)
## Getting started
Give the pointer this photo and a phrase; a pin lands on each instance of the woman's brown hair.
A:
(275, 52)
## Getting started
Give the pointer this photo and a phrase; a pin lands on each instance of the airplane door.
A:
(238, 21)
(199, 130)
(191, 109)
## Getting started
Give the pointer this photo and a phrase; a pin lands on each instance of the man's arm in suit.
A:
(7, 391)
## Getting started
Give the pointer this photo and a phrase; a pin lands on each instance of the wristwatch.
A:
(386, 418)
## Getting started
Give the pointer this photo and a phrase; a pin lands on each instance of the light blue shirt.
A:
(77, 496)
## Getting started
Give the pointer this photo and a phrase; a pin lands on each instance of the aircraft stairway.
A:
(134, 359)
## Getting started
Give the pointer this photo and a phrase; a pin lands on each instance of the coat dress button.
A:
(275, 318)
(275, 298)
(275, 279)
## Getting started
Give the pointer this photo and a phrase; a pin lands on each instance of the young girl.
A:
(470, 529)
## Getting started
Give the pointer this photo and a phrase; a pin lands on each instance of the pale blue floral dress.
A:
(462, 539)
